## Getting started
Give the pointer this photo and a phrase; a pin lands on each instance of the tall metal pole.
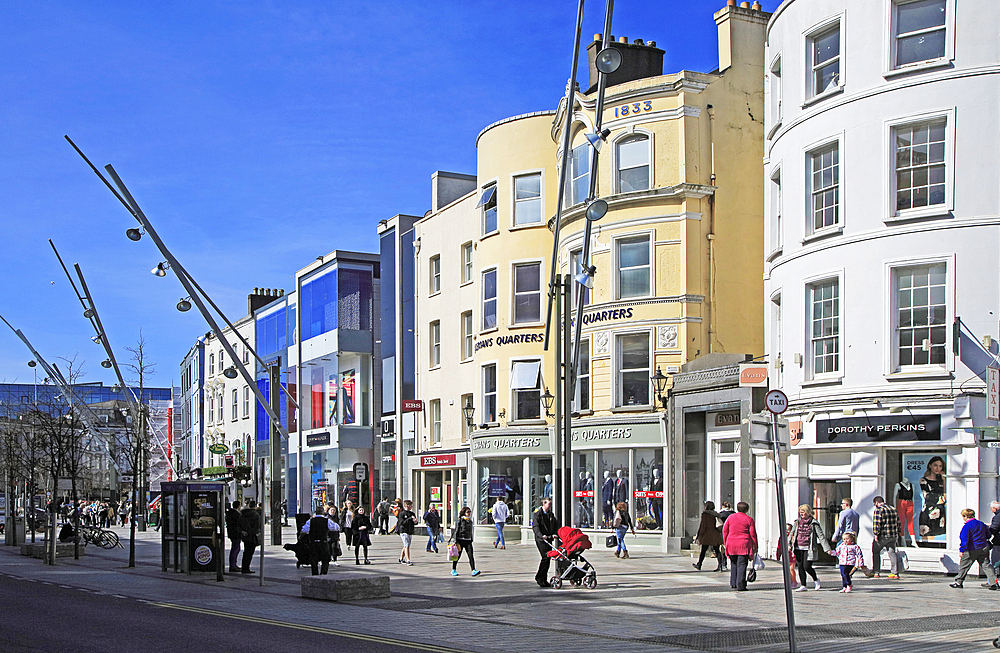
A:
(561, 470)
(782, 539)
(274, 379)
(569, 372)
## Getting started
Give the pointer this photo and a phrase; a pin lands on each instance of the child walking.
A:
(850, 557)
(791, 554)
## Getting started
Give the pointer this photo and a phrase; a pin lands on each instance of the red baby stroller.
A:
(571, 566)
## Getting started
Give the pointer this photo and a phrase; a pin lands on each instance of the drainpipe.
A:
(711, 234)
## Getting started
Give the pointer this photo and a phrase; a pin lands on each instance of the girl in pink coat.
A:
(740, 537)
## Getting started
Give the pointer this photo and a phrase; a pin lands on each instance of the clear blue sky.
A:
(255, 136)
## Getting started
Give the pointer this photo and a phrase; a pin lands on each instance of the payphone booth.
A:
(193, 522)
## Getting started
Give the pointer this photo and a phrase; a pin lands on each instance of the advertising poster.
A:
(498, 486)
(350, 389)
(924, 475)
(436, 494)
(331, 398)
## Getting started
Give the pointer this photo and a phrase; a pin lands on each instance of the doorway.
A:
(727, 473)
(827, 496)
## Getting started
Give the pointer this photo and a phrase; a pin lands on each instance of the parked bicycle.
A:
(101, 537)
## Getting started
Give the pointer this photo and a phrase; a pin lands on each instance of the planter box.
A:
(346, 587)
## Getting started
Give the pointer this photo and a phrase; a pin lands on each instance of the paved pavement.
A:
(651, 602)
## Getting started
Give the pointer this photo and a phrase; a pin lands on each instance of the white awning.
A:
(524, 375)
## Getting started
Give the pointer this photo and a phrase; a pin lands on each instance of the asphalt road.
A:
(48, 618)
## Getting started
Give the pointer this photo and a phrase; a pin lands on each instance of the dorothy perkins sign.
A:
(885, 428)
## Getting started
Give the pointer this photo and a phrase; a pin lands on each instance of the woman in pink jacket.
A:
(740, 537)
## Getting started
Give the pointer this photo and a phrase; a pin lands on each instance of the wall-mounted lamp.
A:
(895, 409)
(468, 411)
(797, 359)
(660, 385)
(810, 416)
(547, 400)
(848, 411)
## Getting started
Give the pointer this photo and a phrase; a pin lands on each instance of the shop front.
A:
(440, 478)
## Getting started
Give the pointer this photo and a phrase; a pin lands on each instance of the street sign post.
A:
(777, 403)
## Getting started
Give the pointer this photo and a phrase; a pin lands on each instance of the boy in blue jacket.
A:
(975, 547)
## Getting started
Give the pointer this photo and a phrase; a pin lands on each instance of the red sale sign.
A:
(583, 494)
(647, 494)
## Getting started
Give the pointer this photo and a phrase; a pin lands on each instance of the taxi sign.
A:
(776, 401)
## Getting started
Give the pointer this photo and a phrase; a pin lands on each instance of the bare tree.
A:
(137, 442)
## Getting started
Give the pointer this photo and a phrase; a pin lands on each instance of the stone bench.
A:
(346, 587)
(63, 549)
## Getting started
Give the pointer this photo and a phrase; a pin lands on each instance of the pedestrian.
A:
(252, 539)
(462, 535)
(849, 520)
(739, 534)
(726, 512)
(709, 536)
(432, 520)
(346, 521)
(405, 522)
(810, 542)
(335, 550)
(500, 514)
(545, 526)
(995, 533)
(790, 552)
(850, 557)
(383, 516)
(361, 527)
(886, 532)
(317, 531)
(622, 522)
(975, 547)
(235, 527)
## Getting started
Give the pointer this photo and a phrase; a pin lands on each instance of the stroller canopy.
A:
(573, 540)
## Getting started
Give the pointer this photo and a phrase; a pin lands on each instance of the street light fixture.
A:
(547, 400)
(586, 276)
(231, 372)
(97, 339)
(660, 385)
(134, 234)
(184, 305)
(608, 60)
(32, 363)
(468, 411)
(106, 363)
(597, 139)
(89, 313)
(597, 210)
(161, 269)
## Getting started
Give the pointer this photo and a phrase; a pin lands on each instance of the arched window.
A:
(633, 163)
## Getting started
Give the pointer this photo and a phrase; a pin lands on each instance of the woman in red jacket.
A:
(740, 536)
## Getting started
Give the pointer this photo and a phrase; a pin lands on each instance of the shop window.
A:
(435, 410)
(633, 359)
(921, 331)
(489, 299)
(648, 493)
(633, 163)
(435, 274)
(580, 173)
(501, 477)
(916, 485)
(527, 293)
(540, 482)
(615, 484)
(527, 199)
(489, 414)
(525, 382)
(581, 396)
(488, 204)
(634, 267)
(586, 494)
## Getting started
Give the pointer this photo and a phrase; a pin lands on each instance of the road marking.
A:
(314, 629)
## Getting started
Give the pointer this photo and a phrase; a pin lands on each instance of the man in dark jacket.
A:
(318, 531)
(252, 538)
(995, 532)
(383, 517)
(432, 519)
(545, 526)
(235, 525)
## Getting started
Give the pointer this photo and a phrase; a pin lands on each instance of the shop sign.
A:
(516, 339)
(388, 427)
(731, 418)
(885, 428)
(318, 439)
(583, 494)
(648, 494)
(439, 460)
(992, 393)
(510, 444)
(753, 375)
(636, 434)
(412, 405)
(218, 448)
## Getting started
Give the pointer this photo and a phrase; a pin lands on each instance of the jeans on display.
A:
(499, 539)
(888, 545)
(738, 571)
(620, 534)
(432, 539)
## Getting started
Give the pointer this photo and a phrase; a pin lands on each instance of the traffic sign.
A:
(776, 401)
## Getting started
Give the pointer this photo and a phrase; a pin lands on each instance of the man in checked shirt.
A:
(886, 529)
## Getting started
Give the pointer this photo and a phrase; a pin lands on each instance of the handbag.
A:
(611, 541)
(751, 575)
(453, 552)
(758, 562)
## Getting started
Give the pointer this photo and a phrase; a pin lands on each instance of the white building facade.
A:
(881, 279)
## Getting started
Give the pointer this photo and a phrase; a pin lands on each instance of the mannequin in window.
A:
(584, 510)
(621, 487)
(513, 489)
(547, 491)
(904, 507)
(656, 505)
(608, 497)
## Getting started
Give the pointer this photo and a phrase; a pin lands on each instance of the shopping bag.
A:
(611, 541)
(751, 575)
(453, 551)
(758, 562)
(440, 537)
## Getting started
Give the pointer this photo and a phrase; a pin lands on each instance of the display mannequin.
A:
(656, 505)
(547, 492)
(621, 487)
(586, 510)
(904, 507)
(513, 489)
(608, 497)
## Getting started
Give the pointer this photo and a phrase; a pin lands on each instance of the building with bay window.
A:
(881, 274)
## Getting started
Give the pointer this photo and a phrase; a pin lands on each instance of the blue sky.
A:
(255, 136)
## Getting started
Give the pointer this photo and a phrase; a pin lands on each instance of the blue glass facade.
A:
(272, 333)
(318, 302)
(25, 393)
(408, 364)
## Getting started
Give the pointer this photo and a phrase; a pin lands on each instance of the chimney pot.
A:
(745, 4)
(755, 6)
(255, 289)
(652, 44)
(730, 3)
(637, 42)
(623, 39)
(597, 37)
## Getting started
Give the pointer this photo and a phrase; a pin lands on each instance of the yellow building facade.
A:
(678, 276)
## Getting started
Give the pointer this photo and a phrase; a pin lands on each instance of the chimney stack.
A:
(262, 297)
(639, 60)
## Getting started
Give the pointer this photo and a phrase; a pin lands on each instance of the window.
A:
(581, 396)
(246, 401)
(222, 364)
(824, 54)
(921, 315)
(488, 203)
(435, 342)
(527, 293)
(435, 274)
(920, 164)
(211, 363)
(527, 199)
(776, 338)
(825, 327)
(633, 163)
(774, 87)
(466, 262)
(527, 390)
(824, 166)
(580, 173)
(246, 355)
(211, 409)
(466, 429)
(633, 369)
(489, 393)
(236, 405)
(468, 345)
(575, 268)
(221, 409)
(634, 267)
(919, 31)
(776, 235)
(435, 408)
(489, 300)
